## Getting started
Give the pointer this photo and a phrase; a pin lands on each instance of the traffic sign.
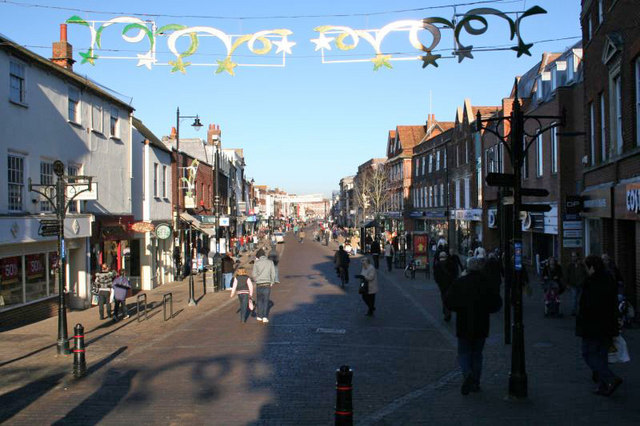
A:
(49, 231)
(500, 179)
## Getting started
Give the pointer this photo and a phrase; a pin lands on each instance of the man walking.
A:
(104, 283)
(275, 258)
(575, 276)
(121, 286)
(444, 275)
(388, 254)
(375, 253)
(227, 270)
(341, 261)
(264, 275)
(473, 299)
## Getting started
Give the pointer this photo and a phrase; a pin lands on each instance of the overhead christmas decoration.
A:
(260, 43)
(347, 38)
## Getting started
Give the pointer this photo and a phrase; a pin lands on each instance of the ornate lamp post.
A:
(57, 196)
(196, 125)
(514, 142)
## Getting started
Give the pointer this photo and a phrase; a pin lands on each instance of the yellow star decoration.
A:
(420, 247)
(381, 60)
(227, 65)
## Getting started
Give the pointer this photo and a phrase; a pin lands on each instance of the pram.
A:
(551, 299)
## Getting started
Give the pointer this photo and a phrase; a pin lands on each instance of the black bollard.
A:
(79, 362)
(204, 280)
(344, 404)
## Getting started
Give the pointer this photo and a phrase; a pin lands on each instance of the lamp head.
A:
(196, 123)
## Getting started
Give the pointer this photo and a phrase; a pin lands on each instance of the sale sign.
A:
(10, 270)
(35, 266)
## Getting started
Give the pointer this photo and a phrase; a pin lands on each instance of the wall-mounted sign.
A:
(224, 221)
(143, 227)
(163, 231)
(597, 203)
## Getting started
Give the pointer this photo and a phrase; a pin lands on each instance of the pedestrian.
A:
(254, 241)
(375, 253)
(574, 279)
(243, 287)
(275, 258)
(388, 254)
(453, 255)
(473, 299)
(493, 271)
(597, 323)
(227, 270)
(341, 261)
(104, 284)
(355, 244)
(479, 252)
(552, 282)
(611, 267)
(301, 234)
(121, 286)
(264, 275)
(444, 275)
(369, 273)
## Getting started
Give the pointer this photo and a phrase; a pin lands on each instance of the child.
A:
(244, 287)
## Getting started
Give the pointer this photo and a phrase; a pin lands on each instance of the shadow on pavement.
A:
(17, 400)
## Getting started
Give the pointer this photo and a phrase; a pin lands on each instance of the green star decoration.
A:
(178, 65)
(430, 59)
(227, 65)
(381, 60)
(522, 48)
(88, 56)
(463, 52)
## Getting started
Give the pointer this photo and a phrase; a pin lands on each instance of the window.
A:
(588, 29)
(74, 105)
(457, 188)
(46, 178)
(617, 95)
(155, 179)
(430, 163)
(73, 171)
(424, 165)
(554, 151)
(467, 193)
(466, 152)
(525, 161)
(600, 12)
(444, 161)
(114, 128)
(638, 101)
(17, 83)
(164, 182)
(539, 88)
(416, 165)
(603, 136)
(96, 118)
(437, 160)
(499, 157)
(441, 194)
(539, 156)
(570, 62)
(15, 181)
(592, 134)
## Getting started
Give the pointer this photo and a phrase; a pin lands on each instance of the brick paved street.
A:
(205, 367)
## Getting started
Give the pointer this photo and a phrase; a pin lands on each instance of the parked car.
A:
(279, 237)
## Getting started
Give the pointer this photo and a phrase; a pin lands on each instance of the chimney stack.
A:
(214, 134)
(174, 133)
(63, 51)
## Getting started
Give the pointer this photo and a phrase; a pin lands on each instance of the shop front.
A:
(113, 244)
(598, 223)
(540, 237)
(467, 230)
(627, 215)
(29, 268)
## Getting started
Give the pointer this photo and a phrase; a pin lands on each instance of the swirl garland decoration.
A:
(433, 25)
(261, 43)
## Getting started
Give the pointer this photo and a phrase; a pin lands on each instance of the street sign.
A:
(572, 242)
(572, 233)
(81, 191)
(536, 208)
(49, 231)
(534, 192)
(49, 222)
(500, 179)
(572, 224)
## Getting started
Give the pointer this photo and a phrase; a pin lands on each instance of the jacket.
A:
(242, 285)
(263, 271)
(120, 287)
(371, 276)
(473, 299)
(598, 313)
(576, 274)
(227, 265)
(104, 281)
(375, 248)
(341, 258)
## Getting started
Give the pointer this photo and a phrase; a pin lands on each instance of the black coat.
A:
(473, 299)
(375, 247)
(227, 265)
(598, 313)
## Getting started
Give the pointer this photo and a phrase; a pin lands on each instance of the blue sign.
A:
(517, 251)
(63, 249)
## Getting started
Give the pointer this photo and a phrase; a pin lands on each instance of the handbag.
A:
(618, 351)
(250, 304)
(94, 299)
(364, 287)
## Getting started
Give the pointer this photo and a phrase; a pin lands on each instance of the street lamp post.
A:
(61, 204)
(196, 125)
(514, 142)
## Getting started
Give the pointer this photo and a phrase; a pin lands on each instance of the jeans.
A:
(277, 274)
(370, 301)
(376, 260)
(103, 299)
(119, 309)
(470, 357)
(243, 298)
(227, 279)
(576, 292)
(389, 262)
(595, 352)
(264, 291)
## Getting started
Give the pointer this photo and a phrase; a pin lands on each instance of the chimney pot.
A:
(63, 32)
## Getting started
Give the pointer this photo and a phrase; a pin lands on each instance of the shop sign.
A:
(251, 218)
(163, 231)
(142, 227)
(572, 242)
(573, 204)
(35, 268)
(633, 198)
(10, 269)
(420, 244)
(207, 219)
(597, 203)
(470, 214)
(572, 224)
(572, 233)
(415, 213)
(224, 221)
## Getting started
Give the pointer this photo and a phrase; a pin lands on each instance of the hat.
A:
(443, 255)
(260, 253)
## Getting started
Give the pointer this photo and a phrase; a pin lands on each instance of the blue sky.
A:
(305, 125)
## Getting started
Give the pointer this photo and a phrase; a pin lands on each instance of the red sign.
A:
(143, 227)
(420, 244)
(35, 266)
(10, 269)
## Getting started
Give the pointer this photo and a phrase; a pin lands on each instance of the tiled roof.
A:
(410, 135)
(148, 134)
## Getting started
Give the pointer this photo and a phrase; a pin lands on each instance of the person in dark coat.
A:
(228, 267)
(375, 253)
(444, 273)
(493, 271)
(473, 299)
(341, 261)
(597, 323)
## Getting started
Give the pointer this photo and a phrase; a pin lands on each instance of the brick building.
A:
(611, 41)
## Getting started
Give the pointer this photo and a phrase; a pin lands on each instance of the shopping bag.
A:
(250, 304)
(111, 296)
(94, 299)
(618, 352)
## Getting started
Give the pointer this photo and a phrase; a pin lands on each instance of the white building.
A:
(49, 113)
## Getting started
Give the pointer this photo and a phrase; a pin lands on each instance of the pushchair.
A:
(551, 299)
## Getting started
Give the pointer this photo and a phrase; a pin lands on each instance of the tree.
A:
(371, 190)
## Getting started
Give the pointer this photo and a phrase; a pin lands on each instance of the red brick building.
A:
(611, 41)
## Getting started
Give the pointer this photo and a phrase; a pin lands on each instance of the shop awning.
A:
(115, 232)
(195, 223)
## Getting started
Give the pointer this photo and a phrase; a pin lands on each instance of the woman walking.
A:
(243, 286)
(369, 274)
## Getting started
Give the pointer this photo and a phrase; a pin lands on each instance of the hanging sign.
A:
(163, 231)
(143, 227)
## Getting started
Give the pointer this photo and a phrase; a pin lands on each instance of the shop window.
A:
(35, 277)
(11, 281)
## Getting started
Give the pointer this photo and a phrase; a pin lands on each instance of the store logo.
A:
(633, 200)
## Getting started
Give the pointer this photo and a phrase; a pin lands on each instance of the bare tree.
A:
(371, 190)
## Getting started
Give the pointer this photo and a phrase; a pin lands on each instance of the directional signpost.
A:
(49, 228)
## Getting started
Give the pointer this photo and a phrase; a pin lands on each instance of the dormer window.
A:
(570, 65)
(539, 91)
